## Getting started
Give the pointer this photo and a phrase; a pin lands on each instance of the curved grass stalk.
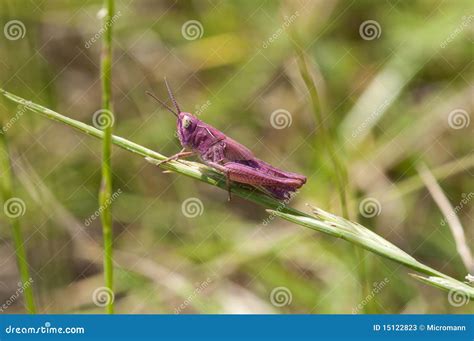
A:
(323, 221)
(339, 169)
(18, 241)
(365, 238)
(450, 216)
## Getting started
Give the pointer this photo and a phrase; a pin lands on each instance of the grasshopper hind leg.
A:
(280, 188)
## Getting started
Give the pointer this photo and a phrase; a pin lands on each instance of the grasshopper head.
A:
(187, 123)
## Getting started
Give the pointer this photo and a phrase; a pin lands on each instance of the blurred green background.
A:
(395, 81)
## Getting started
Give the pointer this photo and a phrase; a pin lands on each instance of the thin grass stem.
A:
(105, 192)
(340, 171)
(450, 216)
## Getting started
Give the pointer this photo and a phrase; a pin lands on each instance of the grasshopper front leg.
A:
(183, 153)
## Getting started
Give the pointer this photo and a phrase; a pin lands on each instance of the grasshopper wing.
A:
(235, 151)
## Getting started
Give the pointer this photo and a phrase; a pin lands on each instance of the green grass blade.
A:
(361, 236)
(452, 286)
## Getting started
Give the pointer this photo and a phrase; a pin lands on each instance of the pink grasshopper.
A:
(228, 156)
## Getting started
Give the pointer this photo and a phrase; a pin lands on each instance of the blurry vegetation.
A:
(400, 88)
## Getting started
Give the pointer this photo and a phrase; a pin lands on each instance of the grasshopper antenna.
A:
(161, 102)
(172, 96)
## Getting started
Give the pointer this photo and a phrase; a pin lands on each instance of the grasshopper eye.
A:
(186, 122)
